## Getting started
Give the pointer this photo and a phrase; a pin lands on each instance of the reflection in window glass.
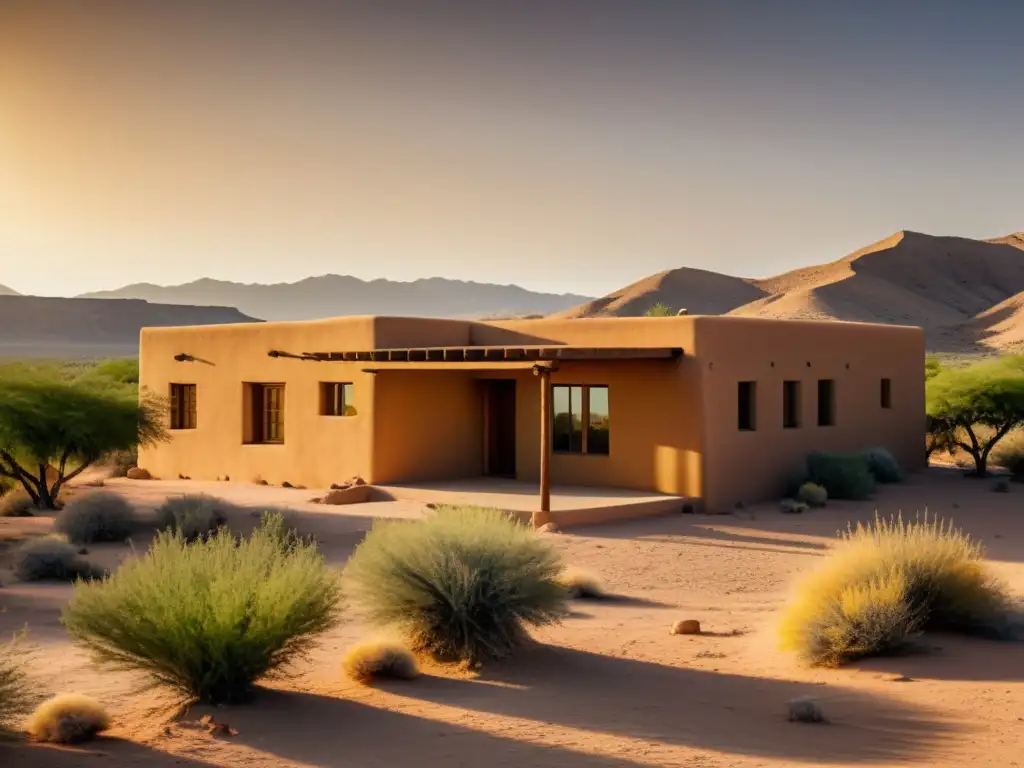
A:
(567, 427)
(597, 426)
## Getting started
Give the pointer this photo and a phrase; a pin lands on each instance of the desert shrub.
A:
(69, 718)
(806, 709)
(461, 584)
(812, 494)
(16, 503)
(1009, 454)
(210, 617)
(120, 462)
(887, 581)
(96, 516)
(883, 465)
(843, 475)
(49, 558)
(792, 507)
(15, 698)
(378, 659)
(195, 515)
(580, 583)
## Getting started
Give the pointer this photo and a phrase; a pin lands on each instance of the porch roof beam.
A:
(497, 354)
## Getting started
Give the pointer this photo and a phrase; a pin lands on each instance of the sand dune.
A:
(5, 291)
(963, 292)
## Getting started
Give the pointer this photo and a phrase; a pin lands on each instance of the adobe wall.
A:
(751, 466)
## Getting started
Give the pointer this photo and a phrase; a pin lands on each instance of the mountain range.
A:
(333, 295)
(967, 294)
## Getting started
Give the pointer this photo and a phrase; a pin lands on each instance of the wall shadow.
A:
(109, 752)
(733, 714)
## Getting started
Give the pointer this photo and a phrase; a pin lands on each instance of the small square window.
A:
(265, 420)
(746, 395)
(886, 393)
(336, 399)
(826, 403)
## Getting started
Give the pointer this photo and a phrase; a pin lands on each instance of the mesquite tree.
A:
(51, 431)
(973, 408)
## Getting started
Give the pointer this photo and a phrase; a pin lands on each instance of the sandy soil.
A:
(611, 686)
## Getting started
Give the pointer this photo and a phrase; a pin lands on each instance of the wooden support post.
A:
(544, 516)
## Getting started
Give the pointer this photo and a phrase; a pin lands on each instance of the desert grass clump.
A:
(1008, 453)
(69, 718)
(96, 517)
(812, 494)
(843, 475)
(17, 503)
(886, 582)
(806, 709)
(379, 660)
(581, 584)
(51, 558)
(461, 585)
(193, 515)
(212, 617)
(15, 696)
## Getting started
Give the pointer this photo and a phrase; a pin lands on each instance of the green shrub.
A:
(461, 585)
(843, 475)
(1009, 454)
(195, 515)
(15, 696)
(96, 516)
(883, 465)
(51, 558)
(812, 494)
(886, 582)
(210, 618)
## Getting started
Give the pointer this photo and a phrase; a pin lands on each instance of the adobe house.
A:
(718, 410)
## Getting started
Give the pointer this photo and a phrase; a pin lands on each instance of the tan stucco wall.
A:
(673, 424)
(753, 466)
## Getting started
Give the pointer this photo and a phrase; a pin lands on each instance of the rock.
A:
(686, 627)
(222, 729)
(806, 709)
(356, 494)
(138, 473)
(901, 679)
(286, 484)
(548, 528)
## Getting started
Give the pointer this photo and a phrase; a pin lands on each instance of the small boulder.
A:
(686, 627)
(548, 528)
(286, 484)
(351, 495)
(138, 473)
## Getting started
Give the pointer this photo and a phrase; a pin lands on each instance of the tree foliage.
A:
(973, 408)
(52, 429)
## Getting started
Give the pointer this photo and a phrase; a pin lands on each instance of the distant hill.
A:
(334, 295)
(32, 326)
(5, 291)
(967, 294)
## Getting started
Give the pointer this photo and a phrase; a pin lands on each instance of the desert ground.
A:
(610, 686)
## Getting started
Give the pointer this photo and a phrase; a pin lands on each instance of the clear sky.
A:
(569, 145)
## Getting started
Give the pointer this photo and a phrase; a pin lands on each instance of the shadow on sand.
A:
(102, 752)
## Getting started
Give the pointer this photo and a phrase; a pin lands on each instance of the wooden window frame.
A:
(183, 407)
(751, 403)
(333, 402)
(584, 417)
(268, 401)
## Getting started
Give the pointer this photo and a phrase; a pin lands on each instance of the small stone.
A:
(138, 473)
(548, 528)
(286, 484)
(901, 679)
(806, 709)
(686, 627)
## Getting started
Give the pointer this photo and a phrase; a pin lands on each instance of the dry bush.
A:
(96, 517)
(195, 515)
(886, 582)
(210, 617)
(120, 462)
(812, 494)
(460, 585)
(580, 583)
(379, 659)
(1009, 454)
(51, 558)
(69, 718)
(17, 503)
(15, 697)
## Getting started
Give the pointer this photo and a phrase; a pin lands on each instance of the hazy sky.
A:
(565, 145)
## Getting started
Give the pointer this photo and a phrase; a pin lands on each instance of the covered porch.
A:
(568, 505)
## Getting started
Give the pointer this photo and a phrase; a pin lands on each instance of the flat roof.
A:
(473, 354)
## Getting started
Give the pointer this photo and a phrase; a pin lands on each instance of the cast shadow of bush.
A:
(733, 714)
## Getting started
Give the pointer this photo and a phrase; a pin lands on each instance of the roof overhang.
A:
(464, 357)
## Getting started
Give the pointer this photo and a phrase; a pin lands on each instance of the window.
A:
(886, 393)
(183, 406)
(826, 403)
(580, 419)
(790, 404)
(267, 420)
(746, 395)
(336, 399)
